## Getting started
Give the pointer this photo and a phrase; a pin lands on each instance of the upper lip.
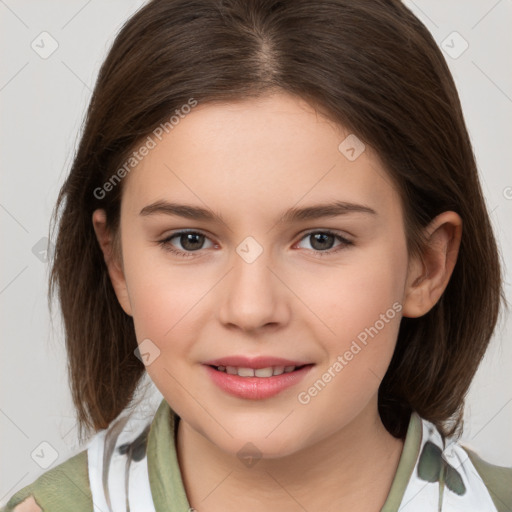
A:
(255, 362)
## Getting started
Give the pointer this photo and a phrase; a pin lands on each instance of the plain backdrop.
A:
(42, 104)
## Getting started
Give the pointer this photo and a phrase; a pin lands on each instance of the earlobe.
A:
(114, 266)
(429, 273)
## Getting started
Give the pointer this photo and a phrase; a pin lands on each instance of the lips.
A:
(256, 378)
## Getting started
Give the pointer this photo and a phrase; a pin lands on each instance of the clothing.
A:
(144, 461)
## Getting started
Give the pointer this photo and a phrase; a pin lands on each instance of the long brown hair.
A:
(370, 66)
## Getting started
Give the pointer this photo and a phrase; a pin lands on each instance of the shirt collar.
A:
(165, 476)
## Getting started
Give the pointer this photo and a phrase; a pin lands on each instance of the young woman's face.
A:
(261, 278)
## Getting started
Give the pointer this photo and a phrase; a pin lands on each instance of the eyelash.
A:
(166, 245)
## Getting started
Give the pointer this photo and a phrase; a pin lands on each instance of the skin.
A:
(250, 161)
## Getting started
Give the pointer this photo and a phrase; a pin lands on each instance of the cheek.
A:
(162, 308)
(360, 311)
(352, 297)
(165, 298)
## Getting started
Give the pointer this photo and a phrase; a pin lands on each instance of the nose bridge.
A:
(254, 296)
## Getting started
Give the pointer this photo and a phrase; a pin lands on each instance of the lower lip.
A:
(256, 388)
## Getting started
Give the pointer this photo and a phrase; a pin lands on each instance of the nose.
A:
(253, 295)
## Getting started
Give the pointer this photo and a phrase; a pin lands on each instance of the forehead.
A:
(260, 154)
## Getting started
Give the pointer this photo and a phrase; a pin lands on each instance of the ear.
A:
(429, 273)
(114, 266)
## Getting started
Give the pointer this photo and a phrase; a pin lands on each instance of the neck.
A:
(333, 474)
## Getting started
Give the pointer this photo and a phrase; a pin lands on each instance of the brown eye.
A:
(188, 242)
(191, 241)
(323, 241)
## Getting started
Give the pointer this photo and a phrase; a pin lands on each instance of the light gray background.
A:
(42, 103)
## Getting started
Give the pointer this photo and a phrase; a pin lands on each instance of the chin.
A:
(249, 449)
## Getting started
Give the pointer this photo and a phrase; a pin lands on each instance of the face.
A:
(255, 281)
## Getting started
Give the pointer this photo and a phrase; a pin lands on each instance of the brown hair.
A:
(370, 66)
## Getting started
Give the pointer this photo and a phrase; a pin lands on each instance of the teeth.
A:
(278, 370)
(264, 372)
(260, 372)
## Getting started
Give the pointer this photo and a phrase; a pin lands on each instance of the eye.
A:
(322, 242)
(191, 241)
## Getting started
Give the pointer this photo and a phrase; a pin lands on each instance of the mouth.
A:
(256, 383)
(269, 371)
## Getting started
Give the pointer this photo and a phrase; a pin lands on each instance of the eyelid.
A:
(345, 235)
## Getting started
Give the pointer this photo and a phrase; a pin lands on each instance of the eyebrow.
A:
(312, 212)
